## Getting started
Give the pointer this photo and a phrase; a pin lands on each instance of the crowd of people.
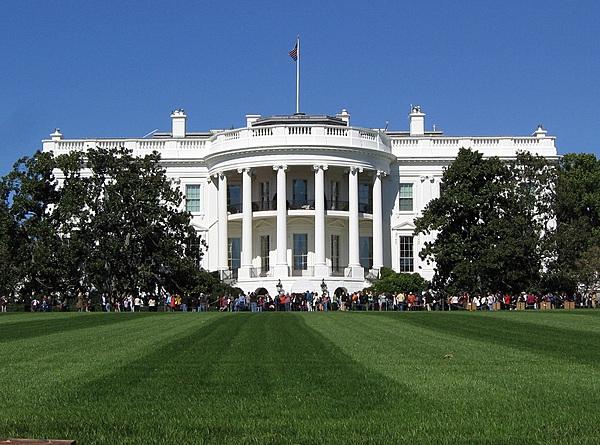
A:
(399, 301)
(306, 301)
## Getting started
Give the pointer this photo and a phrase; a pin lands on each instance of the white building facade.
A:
(292, 203)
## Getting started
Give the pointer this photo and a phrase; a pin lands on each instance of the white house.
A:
(307, 200)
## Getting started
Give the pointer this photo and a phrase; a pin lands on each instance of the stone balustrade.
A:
(314, 135)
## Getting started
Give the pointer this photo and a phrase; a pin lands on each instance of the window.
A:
(265, 250)
(335, 195)
(406, 197)
(300, 251)
(300, 193)
(234, 198)
(365, 198)
(265, 189)
(366, 251)
(233, 253)
(335, 253)
(406, 254)
(192, 198)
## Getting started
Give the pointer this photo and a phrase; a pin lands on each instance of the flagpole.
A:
(298, 76)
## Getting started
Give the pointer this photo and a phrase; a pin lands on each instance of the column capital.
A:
(248, 170)
(354, 169)
(320, 167)
(280, 167)
(381, 174)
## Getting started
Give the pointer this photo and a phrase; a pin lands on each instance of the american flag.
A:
(294, 53)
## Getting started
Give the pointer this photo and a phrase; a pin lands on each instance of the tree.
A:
(8, 245)
(112, 221)
(36, 251)
(577, 215)
(587, 272)
(488, 224)
(122, 217)
(392, 281)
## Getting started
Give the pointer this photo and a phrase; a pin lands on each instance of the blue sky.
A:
(117, 69)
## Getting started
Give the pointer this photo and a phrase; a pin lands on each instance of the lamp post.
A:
(324, 287)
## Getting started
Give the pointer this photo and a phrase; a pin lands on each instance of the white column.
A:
(321, 269)
(281, 267)
(246, 260)
(354, 267)
(378, 221)
(222, 214)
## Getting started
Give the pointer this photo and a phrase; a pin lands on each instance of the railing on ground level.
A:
(228, 275)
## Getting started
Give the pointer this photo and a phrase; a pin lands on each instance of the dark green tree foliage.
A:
(113, 222)
(577, 213)
(8, 244)
(489, 224)
(128, 223)
(36, 250)
(392, 281)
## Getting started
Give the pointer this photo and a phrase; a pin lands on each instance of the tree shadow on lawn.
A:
(242, 378)
(262, 378)
(48, 324)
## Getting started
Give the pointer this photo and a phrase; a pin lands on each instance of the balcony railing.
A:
(299, 204)
(302, 204)
(261, 206)
(235, 208)
(294, 135)
(494, 146)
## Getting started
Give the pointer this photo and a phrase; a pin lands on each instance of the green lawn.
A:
(302, 378)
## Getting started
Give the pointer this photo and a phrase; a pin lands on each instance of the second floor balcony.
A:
(301, 204)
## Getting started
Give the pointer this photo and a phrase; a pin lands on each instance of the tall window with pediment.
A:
(407, 262)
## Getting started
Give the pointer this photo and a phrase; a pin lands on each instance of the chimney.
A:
(251, 118)
(417, 122)
(178, 119)
(344, 116)
(57, 135)
(540, 132)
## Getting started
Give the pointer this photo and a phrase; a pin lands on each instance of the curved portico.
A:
(303, 204)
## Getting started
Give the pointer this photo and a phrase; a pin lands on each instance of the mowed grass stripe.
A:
(473, 391)
(294, 378)
(519, 331)
(269, 379)
(241, 378)
(39, 374)
(19, 326)
(582, 323)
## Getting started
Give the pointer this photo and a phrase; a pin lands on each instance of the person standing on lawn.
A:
(79, 302)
